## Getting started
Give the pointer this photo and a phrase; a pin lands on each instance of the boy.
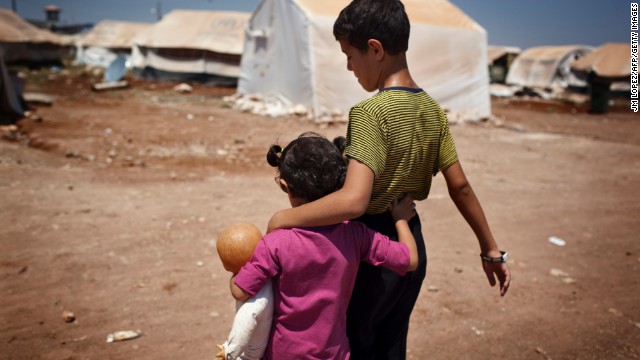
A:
(397, 140)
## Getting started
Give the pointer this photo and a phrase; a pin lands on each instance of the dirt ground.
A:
(112, 203)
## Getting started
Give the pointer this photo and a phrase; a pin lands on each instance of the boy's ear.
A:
(375, 46)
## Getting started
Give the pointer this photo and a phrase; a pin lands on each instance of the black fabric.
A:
(382, 301)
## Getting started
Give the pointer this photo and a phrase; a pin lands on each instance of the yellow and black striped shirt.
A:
(403, 135)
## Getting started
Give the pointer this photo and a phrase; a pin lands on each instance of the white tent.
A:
(106, 40)
(495, 52)
(291, 58)
(22, 42)
(499, 59)
(192, 44)
(547, 67)
(610, 61)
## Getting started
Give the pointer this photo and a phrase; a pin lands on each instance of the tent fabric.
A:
(22, 41)
(14, 29)
(611, 60)
(547, 67)
(193, 42)
(109, 38)
(495, 52)
(291, 57)
(11, 108)
(113, 34)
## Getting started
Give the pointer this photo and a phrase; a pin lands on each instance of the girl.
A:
(314, 269)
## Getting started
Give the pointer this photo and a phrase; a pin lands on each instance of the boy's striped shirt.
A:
(403, 135)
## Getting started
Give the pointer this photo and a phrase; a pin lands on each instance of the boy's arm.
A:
(402, 212)
(347, 203)
(467, 203)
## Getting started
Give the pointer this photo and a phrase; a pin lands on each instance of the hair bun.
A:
(273, 155)
(340, 142)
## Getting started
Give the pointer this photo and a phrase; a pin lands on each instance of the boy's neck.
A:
(396, 73)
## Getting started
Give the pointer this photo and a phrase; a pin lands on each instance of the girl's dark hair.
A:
(383, 20)
(311, 165)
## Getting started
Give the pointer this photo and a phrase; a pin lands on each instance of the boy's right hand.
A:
(403, 209)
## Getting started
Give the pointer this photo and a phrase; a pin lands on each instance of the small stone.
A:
(558, 273)
(68, 316)
(214, 314)
(200, 263)
(615, 312)
(458, 269)
(183, 88)
(432, 288)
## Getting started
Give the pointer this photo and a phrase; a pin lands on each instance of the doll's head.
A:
(235, 245)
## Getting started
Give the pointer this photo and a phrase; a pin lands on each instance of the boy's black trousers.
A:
(382, 301)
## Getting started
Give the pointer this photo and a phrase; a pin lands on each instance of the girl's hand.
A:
(403, 209)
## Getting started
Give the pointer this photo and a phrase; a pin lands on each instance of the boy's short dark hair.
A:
(312, 166)
(383, 20)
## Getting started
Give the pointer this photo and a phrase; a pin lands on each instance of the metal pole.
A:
(159, 10)
(14, 7)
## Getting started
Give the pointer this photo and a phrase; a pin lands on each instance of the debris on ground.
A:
(124, 335)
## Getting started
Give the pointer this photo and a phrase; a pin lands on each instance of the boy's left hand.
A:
(499, 270)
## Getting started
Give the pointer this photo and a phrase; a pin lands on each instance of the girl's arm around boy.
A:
(402, 211)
